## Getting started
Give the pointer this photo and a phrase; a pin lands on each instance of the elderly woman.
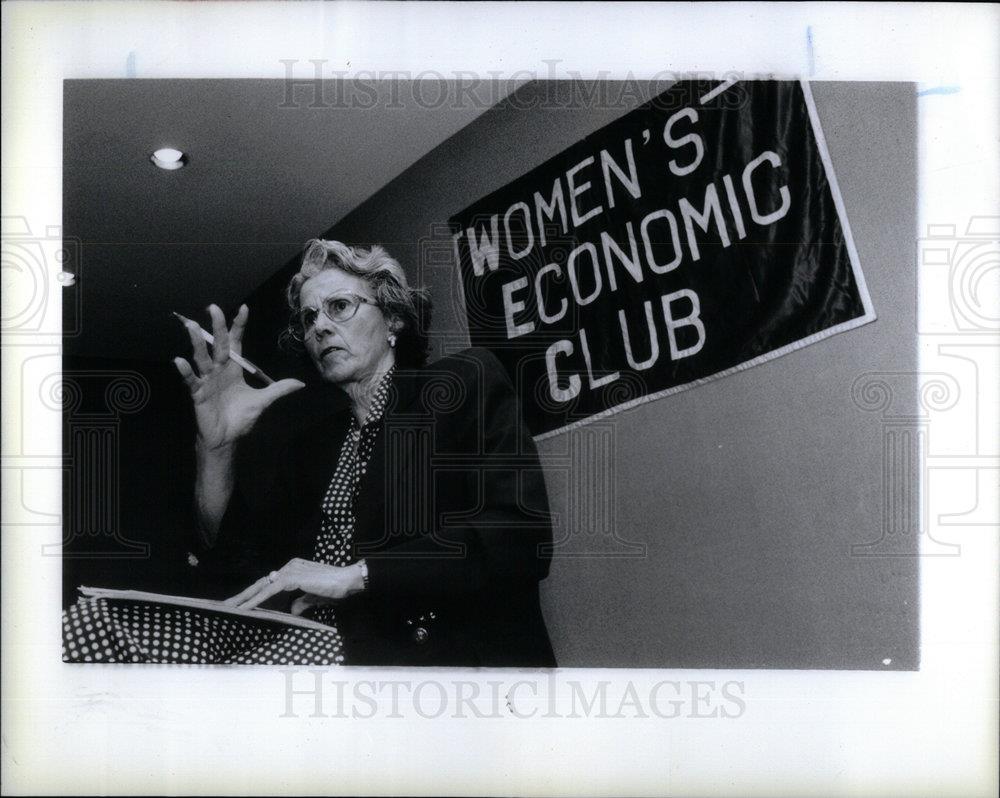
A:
(400, 505)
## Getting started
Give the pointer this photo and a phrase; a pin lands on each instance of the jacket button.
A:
(420, 635)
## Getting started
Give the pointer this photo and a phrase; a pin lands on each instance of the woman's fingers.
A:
(236, 332)
(190, 379)
(239, 598)
(201, 358)
(290, 577)
(269, 589)
(220, 349)
(261, 590)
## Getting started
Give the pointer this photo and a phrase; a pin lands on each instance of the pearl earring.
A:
(392, 340)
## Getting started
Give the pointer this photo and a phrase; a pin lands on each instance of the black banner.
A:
(699, 234)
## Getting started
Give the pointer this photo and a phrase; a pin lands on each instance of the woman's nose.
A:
(322, 326)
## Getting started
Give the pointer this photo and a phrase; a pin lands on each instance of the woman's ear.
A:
(395, 324)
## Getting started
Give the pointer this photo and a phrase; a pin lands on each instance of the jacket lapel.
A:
(317, 453)
(389, 466)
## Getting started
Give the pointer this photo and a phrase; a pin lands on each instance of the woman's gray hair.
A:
(389, 287)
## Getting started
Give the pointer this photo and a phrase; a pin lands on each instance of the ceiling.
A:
(266, 172)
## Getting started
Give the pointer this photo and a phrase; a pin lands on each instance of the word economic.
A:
(658, 243)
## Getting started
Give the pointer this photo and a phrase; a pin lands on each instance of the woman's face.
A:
(349, 351)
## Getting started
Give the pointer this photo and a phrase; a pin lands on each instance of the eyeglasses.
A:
(337, 308)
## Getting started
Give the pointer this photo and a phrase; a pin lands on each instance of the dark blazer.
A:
(452, 516)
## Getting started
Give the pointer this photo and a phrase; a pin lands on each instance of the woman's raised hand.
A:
(226, 407)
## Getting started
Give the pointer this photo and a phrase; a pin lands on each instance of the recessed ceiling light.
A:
(168, 158)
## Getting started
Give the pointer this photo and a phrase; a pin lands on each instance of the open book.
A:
(211, 605)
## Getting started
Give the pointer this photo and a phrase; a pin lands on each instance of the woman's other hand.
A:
(321, 583)
(226, 407)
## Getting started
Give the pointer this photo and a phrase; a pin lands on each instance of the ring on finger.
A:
(272, 577)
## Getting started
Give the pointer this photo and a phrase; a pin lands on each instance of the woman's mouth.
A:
(329, 350)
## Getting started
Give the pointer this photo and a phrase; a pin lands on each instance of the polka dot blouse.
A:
(103, 630)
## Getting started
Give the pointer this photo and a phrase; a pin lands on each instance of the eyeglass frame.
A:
(295, 324)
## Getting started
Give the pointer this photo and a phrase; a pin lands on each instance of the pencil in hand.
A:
(246, 365)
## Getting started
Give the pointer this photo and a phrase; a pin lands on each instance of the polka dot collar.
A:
(379, 399)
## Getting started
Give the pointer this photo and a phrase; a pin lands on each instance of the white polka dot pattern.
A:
(99, 630)
(336, 535)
